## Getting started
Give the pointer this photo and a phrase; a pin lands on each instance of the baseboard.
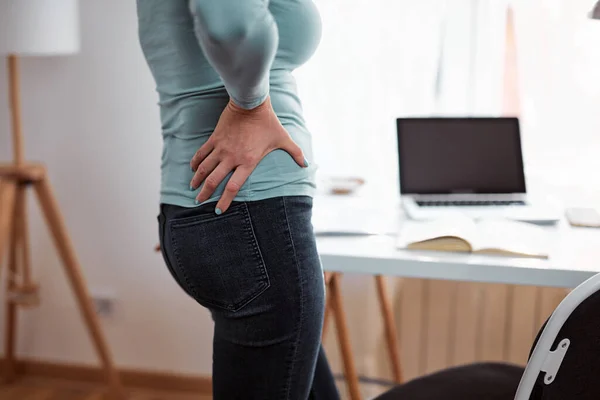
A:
(367, 380)
(130, 377)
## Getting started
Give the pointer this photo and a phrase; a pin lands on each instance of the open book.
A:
(462, 234)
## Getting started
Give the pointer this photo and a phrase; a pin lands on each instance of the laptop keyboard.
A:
(468, 203)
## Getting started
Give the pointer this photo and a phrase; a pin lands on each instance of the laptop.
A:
(472, 166)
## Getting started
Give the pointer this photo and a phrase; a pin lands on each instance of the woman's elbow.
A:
(222, 22)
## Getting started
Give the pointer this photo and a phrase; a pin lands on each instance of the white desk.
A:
(570, 263)
(574, 257)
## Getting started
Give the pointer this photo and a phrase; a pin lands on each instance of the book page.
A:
(516, 238)
(419, 231)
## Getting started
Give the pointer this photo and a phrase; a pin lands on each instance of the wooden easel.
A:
(334, 304)
(15, 179)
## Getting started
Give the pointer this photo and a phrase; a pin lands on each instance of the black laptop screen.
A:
(460, 155)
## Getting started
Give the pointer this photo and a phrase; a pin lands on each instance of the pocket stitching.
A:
(175, 246)
(263, 268)
(162, 230)
(261, 288)
(187, 221)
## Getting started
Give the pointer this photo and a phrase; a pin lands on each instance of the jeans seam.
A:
(258, 255)
(299, 328)
(163, 228)
(175, 247)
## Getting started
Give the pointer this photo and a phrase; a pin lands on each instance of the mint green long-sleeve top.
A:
(204, 52)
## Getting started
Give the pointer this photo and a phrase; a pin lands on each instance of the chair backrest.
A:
(565, 361)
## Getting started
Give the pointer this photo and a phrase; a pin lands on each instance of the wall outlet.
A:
(104, 303)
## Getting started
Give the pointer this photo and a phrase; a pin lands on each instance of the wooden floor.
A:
(34, 388)
(51, 389)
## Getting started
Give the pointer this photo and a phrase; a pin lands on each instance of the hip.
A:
(225, 262)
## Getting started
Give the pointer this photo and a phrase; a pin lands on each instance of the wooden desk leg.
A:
(343, 337)
(391, 334)
(326, 317)
(328, 276)
(65, 249)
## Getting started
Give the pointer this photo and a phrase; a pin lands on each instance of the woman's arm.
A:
(239, 39)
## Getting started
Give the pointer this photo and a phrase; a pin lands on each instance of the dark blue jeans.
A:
(257, 270)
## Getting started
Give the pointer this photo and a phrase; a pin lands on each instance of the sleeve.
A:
(239, 39)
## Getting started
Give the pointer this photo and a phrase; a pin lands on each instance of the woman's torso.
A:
(192, 96)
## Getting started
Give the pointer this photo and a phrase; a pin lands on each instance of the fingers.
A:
(212, 181)
(201, 154)
(295, 151)
(203, 170)
(232, 188)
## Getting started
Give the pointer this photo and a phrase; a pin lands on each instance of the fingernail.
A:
(192, 188)
(196, 202)
(305, 163)
(192, 168)
(218, 211)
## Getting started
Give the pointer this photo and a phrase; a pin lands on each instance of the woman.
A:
(236, 187)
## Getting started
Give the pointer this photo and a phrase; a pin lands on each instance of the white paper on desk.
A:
(349, 219)
(512, 237)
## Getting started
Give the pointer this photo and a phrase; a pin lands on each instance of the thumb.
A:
(295, 151)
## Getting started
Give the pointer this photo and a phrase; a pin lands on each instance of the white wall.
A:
(92, 118)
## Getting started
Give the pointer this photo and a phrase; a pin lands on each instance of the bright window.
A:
(383, 59)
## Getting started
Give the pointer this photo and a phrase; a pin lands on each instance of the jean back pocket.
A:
(218, 258)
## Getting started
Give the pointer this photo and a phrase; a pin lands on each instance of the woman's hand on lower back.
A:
(241, 139)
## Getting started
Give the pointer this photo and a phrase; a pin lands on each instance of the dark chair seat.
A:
(481, 381)
(564, 363)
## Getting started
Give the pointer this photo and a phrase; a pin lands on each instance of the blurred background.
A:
(86, 115)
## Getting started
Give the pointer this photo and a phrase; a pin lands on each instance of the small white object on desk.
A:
(583, 217)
